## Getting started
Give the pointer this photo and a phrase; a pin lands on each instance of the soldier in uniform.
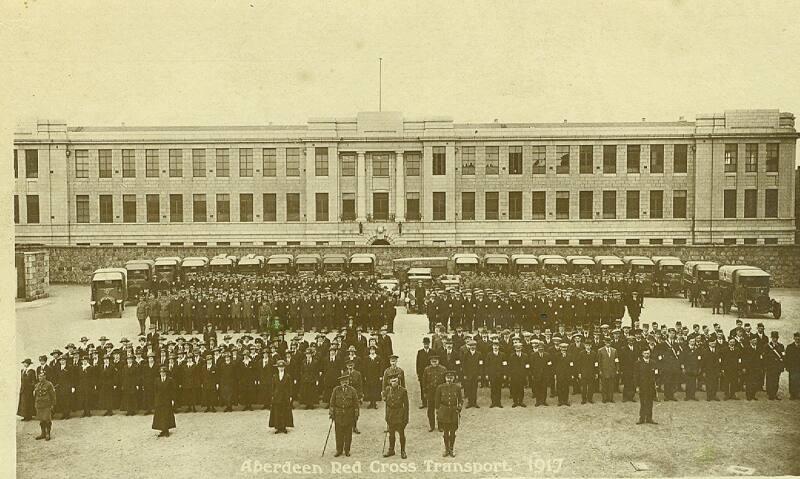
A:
(472, 369)
(343, 410)
(393, 370)
(397, 408)
(646, 378)
(448, 401)
(423, 360)
(773, 365)
(44, 400)
(434, 376)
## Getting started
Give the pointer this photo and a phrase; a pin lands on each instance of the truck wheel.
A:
(776, 310)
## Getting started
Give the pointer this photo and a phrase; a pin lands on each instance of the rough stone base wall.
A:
(37, 274)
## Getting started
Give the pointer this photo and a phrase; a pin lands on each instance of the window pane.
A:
(153, 209)
(492, 160)
(439, 160)
(656, 204)
(610, 159)
(679, 204)
(32, 170)
(515, 205)
(468, 205)
(729, 203)
(321, 161)
(412, 206)
(439, 206)
(538, 157)
(176, 208)
(175, 163)
(772, 157)
(586, 159)
(413, 162)
(468, 160)
(129, 208)
(322, 206)
(129, 163)
(491, 205)
(223, 207)
(750, 203)
(106, 209)
(246, 163)
(293, 162)
(632, 204)
(751, 157)
(562, 205)
(634, 158)
(199, 208)
(585, 205)
(538, 205)
(245, 207)
(380, 206)
(199, 162)
(348, 164)
(562, 158)
(270, 206)
(32, 206)
(380, 165)
(514, 160)
(609, 205)
(292, 206)
(151, 165)
(82, 209)
(348, 206)
(104, 163)
(270, 164)
(731, 157)
(656, 158)
(680, 161)
(771, 203)
(81, 163)
(223, 163)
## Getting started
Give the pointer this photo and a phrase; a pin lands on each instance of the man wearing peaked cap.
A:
(448, 402)
(343, 410)
(397, 410)
(433, 377)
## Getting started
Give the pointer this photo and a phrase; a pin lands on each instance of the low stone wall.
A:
(36, 273)
(75, 264)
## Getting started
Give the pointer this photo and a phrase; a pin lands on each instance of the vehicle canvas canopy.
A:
(727, 273)
(598, 259)
(670, 266)
(496, 262)
(363, 263)
(642, 266)
(139, 269)
(572, 258)
(167, 264)
(220, 264)
(628, 259)
(707, 272)
(420, 274)
(543, 257)
(582, 263)
(307, 263)
(437, 264)
(752, 278)
(194, 263)
(610, 263)
(554, 263)
(111, 278)
(279, 263)
(657, 259)
(465, 262)
(334, 262)
(525, 263)
(250, 264)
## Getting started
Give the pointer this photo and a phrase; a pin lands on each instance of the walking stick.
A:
(326, 439)
(385, 435)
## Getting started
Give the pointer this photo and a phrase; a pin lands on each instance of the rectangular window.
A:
(731, 157)
(631, 241)
(129, 163)
(413, 161)
(412, 206)
(153, 209)
(198, 163)
(539, 159)
(322, 206)
(104, 163)
(293, 162)
(348, 164)
(562, 205)
(656, 204)
(491, 205)
(772, 157)
(586, 159)
(492, 160)
(151, 165)
(439, 160)
(656, 158)
(634, 159)
(770, 240)
(729, 204)
(539, 205)
(750, 203)
(514, 160)
(380, 206)
(679, 204)
(585, 242)
(245, 207)
(129, 208)
(223, 208)
(632, 205)
(106, 209)
(32, 169)
(292, 206)
(269, 166)
(245, 162)
(609, 242)
(81, 163)
(321, 161)
(680, 159)
(439, 206)
(609, 205)
(380, 165)
(348, 206)
(467, 205)
(729, 241)
(751, 241)
(515, 205)
(223, 162)
(199, 208)
(610, 159)
(176, 208)
(771, 203)
(468, 160)
(656, 241)
(751, 157)
(562, 156)
(269, 204)
(82, 209)
(32, 207)
(175, 163)
(16, 204)
(679, 241)
(585, 205)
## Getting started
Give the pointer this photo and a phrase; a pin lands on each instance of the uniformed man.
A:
(434, 376)
(396, 398)
(646, 378)
(343, 410)
(423, 361)
(448, 401)
(393, 370)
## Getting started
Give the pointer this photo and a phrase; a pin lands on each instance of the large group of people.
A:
(235, 302)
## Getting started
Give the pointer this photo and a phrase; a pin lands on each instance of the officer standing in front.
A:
(396, 398)
(434, 376)
(343, 410)
(449, 401)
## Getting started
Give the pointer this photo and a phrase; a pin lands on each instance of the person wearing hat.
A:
(26, 406)
(373, 367)
(163, 416)
(434, 377)
(773, 365)
(86, 384)
(397, 407)
(310, 373)
(356, 381)
(280, 414)
(423, 362)
(209, 384)
(646, 377)
(44, 401)
(344, 410)
(130, 386)
(448, 402)
(106, 385)
(393, 369)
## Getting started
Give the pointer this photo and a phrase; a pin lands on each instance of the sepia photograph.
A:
(412, 239)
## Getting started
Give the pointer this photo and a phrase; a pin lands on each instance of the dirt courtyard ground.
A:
(692, 438)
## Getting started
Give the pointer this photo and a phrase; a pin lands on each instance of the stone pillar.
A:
(400, 188)
(361, 189)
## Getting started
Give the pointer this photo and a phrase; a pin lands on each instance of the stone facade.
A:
(76, 264)
(36, 265)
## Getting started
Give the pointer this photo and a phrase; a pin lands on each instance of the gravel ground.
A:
(692, 439)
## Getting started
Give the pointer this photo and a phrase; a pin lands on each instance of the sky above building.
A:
(224, 63)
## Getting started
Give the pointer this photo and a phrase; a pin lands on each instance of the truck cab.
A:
(109, 291)
(167, 271)
(140, 277)
(747, 287)
(667, 281)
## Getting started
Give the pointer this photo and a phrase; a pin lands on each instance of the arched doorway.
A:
(380, 242)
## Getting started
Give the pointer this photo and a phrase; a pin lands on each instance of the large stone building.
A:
(380, 178)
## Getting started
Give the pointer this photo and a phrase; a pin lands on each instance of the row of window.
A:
(731, 206)
(751, 157)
